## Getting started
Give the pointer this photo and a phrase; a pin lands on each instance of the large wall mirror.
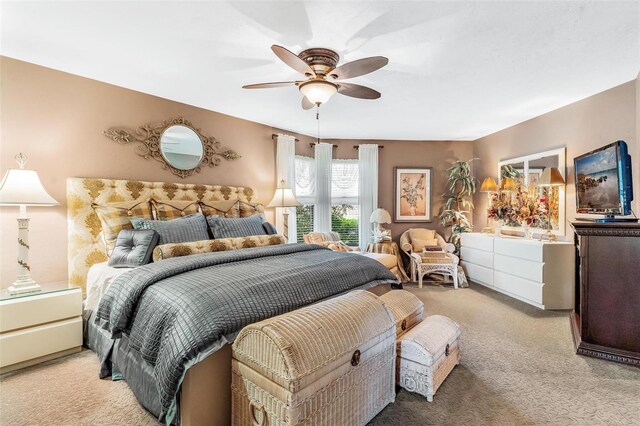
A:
(181, 147)
(177, 144)
(550, 211)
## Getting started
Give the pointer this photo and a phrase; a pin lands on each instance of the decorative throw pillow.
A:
(224, 208)
(182, 230)
(165, 210)
(420, 237)
(248, 209)
(117, 216)
(223, 227)
(419, 244)
(269, 228)
(133, 248)
(167, 251)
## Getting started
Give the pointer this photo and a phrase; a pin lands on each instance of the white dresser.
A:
(540, 273)
(40, 326)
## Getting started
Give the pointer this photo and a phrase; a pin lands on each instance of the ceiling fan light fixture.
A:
(318, 91)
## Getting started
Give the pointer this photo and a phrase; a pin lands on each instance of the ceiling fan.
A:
(324, 78)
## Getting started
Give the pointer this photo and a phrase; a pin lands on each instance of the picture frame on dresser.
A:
(412, 194)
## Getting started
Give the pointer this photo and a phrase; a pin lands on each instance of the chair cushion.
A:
(182, 230)
(389, 261)
(321, 237)
(133, 248)
(419, 244)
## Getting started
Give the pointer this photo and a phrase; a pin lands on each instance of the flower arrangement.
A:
(520, 208)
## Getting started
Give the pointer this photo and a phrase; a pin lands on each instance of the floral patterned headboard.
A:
(86, 247)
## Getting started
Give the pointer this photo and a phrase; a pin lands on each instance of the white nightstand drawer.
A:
(479, 257)
(39, 309)
(526, 269)
(22, 345)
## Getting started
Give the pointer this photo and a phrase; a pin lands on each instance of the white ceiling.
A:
(458, 70)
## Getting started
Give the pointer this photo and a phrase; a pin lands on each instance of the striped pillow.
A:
(165, 210)
(182, 230)
(232, 227)
(117, 216)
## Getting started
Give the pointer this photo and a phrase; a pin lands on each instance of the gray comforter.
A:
(175, 310)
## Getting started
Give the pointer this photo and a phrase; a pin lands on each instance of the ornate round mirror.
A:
(181, 147)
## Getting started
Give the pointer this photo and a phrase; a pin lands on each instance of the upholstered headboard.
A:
(86, 246)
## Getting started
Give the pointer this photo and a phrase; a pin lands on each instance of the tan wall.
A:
(582, 126)
(435, 154)
(57, 120)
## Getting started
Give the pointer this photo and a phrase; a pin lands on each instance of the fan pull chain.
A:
(318, 119)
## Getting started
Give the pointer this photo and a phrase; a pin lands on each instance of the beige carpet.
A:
(518, 367)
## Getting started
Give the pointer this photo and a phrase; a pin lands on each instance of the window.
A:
(344, 198)
(305, 194)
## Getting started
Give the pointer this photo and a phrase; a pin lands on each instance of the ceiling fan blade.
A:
(270, 85)
(291, 59)
(306, 103)
(359, 67)
(357, 91)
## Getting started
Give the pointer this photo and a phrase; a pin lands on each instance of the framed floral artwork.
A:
(412, 194)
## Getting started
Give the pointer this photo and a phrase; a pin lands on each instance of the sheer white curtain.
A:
(286, 169)
(344, 182)
(322, 206)
(305, 190)
(367, 189)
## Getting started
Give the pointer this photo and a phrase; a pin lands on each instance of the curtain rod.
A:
(275, 135)
(358, 146)
(312, 144)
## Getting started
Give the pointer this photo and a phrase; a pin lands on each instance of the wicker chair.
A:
(332, 241)
(421, 268)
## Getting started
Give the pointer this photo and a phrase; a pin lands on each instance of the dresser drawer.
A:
(524, 249)
(479, 257)
(38, 309)
(520, 287)
(478, 274)
(532, 271)
(477, 241)
(34, 342)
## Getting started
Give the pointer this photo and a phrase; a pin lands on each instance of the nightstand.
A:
(37, 327)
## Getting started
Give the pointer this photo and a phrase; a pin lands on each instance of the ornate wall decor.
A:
(154, 142)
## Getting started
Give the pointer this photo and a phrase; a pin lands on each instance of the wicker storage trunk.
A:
(332, 363)
(406, 308)
(427, 354)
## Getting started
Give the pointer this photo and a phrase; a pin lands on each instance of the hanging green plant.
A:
(461, 186)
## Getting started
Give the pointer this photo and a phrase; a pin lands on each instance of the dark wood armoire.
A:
(606, 319)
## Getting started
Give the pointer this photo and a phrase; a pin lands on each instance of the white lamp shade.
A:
(380, 216)
(318, 91)
(23, 187)
(284, 198)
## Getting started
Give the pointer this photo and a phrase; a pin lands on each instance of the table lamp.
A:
(284, 197)
(508, 184)
(550, 177)
(489, 186)
(23, 188)
(378, 217)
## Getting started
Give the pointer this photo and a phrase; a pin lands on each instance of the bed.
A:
(136, 319)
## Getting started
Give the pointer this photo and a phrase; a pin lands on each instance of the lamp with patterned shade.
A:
(489, 186)
(23, 188)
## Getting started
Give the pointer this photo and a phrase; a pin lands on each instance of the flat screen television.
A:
(603, 182)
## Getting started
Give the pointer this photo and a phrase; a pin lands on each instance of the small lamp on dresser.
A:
(550, 177)
(489, 186)
(23, 188)
(284, 199)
